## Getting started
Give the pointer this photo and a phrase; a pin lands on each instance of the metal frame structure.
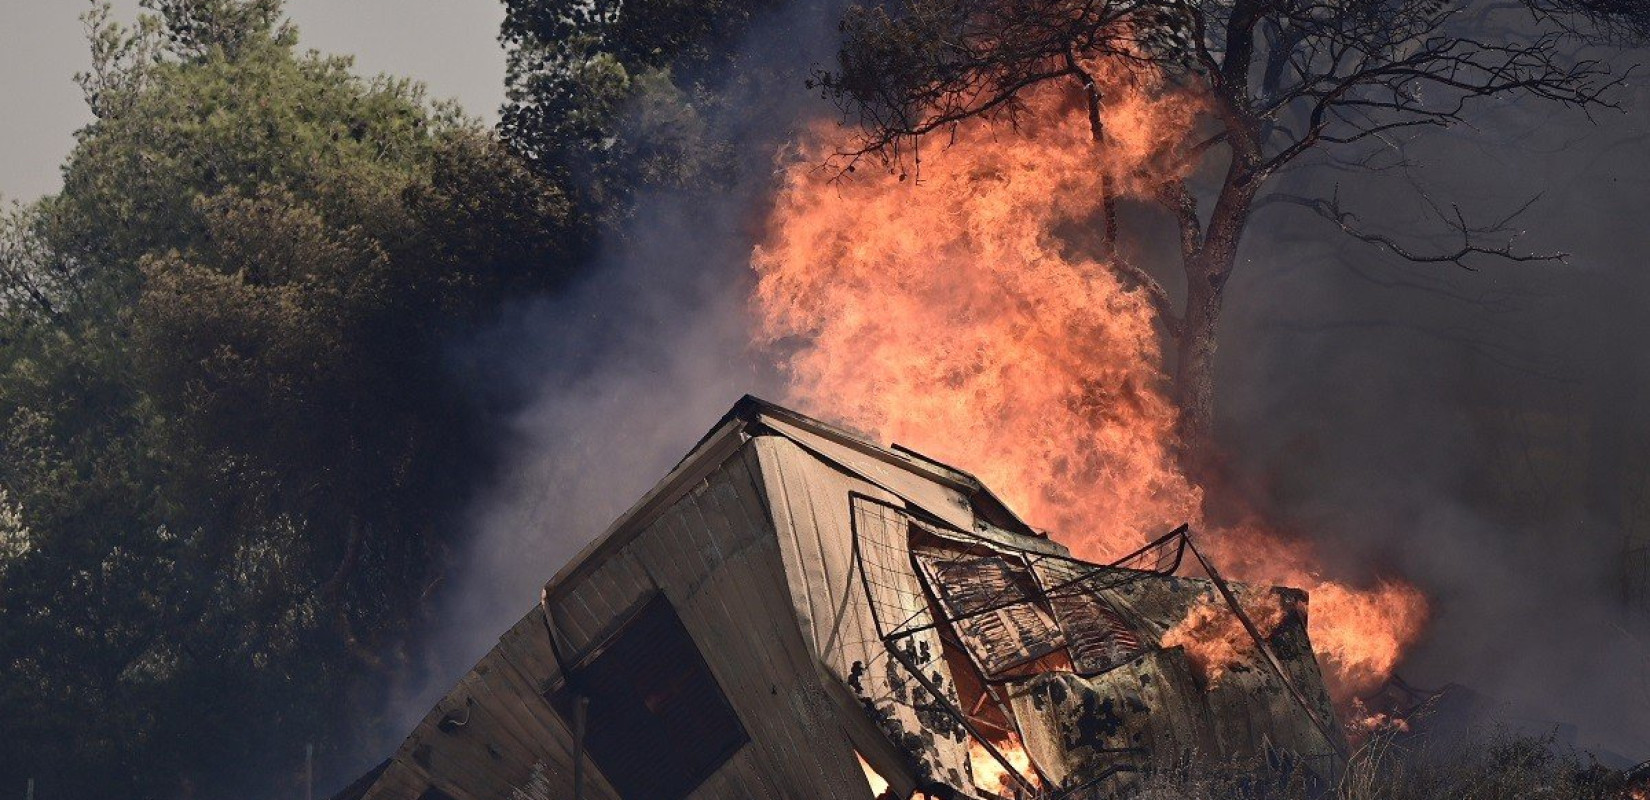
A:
(1170, 548)
(1162, 557)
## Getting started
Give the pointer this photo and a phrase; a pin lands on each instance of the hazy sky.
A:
(448, 44)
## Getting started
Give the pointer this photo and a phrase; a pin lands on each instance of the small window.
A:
(658, 724)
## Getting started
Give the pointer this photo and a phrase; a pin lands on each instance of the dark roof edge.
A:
(745, 420)
(986, 503)
(714, 448)
(358, 789)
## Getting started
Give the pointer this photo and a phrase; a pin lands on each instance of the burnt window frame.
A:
(965, 613)
(1099, 626)
(651, 627)
(1062, 657)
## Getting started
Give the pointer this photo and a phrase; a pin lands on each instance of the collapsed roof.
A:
(796, 612)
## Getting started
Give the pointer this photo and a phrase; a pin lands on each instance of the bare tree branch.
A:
(1274, 80)
(1472, 236)
(1161, 303)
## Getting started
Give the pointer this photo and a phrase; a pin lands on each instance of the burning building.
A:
(796, 612)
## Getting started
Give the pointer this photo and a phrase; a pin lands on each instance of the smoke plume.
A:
(607, 385)
(1482, 433)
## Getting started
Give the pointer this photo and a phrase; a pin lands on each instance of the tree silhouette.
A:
(1281, 79)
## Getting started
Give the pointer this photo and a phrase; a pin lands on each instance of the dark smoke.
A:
(1483, 433)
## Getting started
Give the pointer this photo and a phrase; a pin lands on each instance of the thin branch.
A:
(1155, 292)
(1471, 235)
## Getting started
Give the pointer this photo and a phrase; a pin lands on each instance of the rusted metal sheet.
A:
(1010, 614)
(1098, 636)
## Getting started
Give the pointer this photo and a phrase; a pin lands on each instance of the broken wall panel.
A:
(818, 509)
(1119, 724)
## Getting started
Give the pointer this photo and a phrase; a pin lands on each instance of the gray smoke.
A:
(1483, 434)
(616, 379)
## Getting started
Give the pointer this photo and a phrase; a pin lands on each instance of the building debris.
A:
(795, 612)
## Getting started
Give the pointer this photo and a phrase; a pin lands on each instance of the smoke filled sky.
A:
(449, 45)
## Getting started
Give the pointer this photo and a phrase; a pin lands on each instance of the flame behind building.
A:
(964, 308)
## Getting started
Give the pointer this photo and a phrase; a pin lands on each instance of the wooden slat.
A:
(927, 493)
(527, 667)
(814, 519)
(742, 615)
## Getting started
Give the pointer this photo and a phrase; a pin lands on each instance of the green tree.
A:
(614, 96)
(228, 446)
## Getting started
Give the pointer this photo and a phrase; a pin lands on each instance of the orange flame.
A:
(988, 771)
(878, 784)
(963, 314)
(1215, 639)
(1363, 722)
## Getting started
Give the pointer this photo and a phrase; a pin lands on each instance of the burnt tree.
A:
(1278, 79)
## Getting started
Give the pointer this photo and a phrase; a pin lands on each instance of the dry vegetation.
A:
(1500, 767)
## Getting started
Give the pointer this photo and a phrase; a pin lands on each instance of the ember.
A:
(962, 313)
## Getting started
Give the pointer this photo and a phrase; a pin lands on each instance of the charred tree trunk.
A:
(1209, 253)
(1194, 378)
(1208, 265)
(1097, 132)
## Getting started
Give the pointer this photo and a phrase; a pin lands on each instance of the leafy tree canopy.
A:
(227, 444)
(615, 95)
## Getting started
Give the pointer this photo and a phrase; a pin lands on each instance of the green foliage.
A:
(199, 126)
(615, 96)
(195, 28)
(228, 453)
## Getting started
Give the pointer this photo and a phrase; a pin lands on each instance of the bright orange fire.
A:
(965, 314)
(988, 771)
(1214, 638)
(878, 784)
(1366, 723)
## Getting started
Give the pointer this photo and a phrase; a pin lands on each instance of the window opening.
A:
(658, 724)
